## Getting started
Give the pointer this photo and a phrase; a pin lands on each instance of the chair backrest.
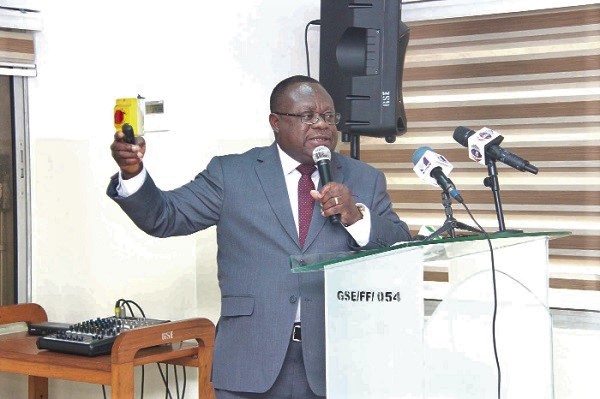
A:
(22, 312)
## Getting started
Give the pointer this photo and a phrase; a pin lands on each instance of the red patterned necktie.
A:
(305, 201)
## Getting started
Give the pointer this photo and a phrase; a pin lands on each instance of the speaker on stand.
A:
(362, 49)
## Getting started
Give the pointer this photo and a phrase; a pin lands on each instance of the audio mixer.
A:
(92, 337)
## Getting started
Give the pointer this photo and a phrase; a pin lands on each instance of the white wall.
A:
(214, 64)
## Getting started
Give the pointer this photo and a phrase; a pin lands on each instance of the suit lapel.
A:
(270, 175)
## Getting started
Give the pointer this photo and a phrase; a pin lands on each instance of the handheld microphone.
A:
(322, 158)
(432, 168)
(484, 144)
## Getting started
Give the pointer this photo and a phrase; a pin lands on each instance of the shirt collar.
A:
(288, 163)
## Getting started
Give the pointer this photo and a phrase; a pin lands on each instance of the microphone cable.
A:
(495, 295)
(313, 22)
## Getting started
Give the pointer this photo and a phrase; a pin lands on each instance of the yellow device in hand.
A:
(129, 117)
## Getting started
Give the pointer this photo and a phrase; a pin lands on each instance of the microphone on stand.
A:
(484, 148)
(322, 158)
(432, 168)
(485, 143)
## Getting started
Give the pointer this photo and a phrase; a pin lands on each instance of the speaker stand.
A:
(354, 140)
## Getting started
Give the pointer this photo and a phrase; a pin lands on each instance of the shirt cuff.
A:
(128, 187)
(361, 230)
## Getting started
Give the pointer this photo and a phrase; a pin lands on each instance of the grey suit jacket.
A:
(245, 196)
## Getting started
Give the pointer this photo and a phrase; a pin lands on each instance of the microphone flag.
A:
(479, 142)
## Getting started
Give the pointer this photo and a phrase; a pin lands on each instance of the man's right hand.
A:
(128, 156)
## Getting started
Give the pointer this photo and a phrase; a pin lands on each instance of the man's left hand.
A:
(336, 198)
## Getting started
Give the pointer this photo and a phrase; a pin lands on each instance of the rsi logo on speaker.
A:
(385, 98)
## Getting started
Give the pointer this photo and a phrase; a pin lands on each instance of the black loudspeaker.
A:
(362, 49)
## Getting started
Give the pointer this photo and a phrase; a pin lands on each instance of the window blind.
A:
(17, 52)
(533, 77)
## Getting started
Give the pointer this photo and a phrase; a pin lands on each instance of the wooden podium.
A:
(379, 345)
(187, 342)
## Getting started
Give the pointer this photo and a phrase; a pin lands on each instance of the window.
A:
(14, 189)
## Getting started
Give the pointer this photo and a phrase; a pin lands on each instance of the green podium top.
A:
(441, 249)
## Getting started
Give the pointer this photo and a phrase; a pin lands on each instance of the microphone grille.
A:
(419, 152)
(321, 153)
(461, 135)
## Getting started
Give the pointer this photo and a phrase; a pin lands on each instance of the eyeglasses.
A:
(311, 118)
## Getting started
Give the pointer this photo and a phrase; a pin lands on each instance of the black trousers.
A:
(290, 384)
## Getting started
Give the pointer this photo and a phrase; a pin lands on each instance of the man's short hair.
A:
(280, 89)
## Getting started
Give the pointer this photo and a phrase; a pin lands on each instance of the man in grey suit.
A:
(270, 339)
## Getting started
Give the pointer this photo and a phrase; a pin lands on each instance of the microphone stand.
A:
(492, 182)
(451, 223)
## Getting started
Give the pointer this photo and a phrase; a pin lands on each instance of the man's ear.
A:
(274, 122)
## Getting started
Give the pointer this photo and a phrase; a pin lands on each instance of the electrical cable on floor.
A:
(176, 379)
(165, 381)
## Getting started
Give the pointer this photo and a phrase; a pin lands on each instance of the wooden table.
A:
(187, 342)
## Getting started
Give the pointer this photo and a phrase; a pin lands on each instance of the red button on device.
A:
(119, 117)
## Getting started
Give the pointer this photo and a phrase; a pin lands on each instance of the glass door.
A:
(14, 189)
(7, 215)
